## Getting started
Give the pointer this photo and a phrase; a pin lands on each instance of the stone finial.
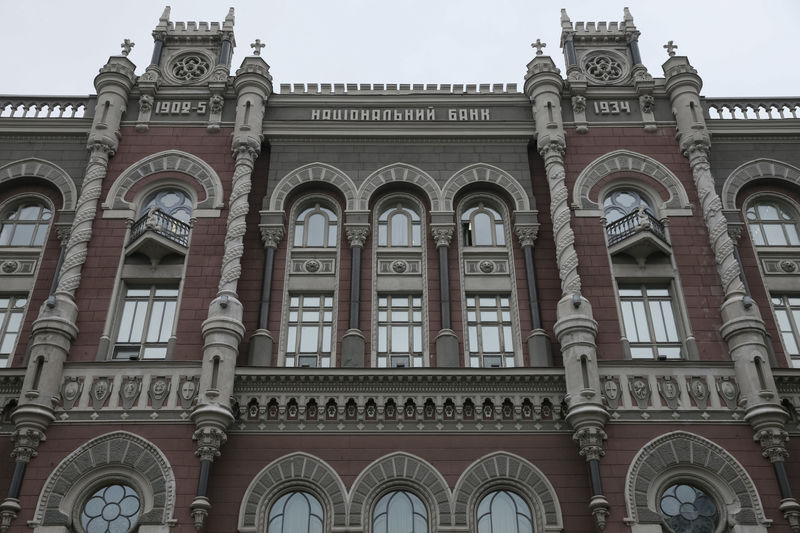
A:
(671, 46)
(627, 17)
(257, 46)
(566, 23)
(229, 19)
(127, 45)
(538, 45)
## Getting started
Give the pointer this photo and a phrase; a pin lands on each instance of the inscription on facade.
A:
(178, 107)
(402, 114)
(611, 107)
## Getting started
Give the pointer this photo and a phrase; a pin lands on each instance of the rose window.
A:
(112, 509)
(603, 68)
(687, 509)
(190, 67)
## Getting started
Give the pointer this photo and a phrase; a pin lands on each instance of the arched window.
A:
(399, 512)
(687, 509)
(25, 224)
(111, 509)
(399, 225)
(296, 512)
(483, 226)
(172, 202)
(315, 227)
(772, 223)
(502, 511)
(623, 202)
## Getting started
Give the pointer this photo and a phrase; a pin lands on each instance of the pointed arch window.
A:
(502, 511)
(399, 226)
(315, 227)
(483, 226)
(772, 223)
(400, 512)
(296, 512)
(25, 224)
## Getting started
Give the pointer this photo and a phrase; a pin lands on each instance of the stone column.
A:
(742, 326)
(353, 342)
(446, 341)
(261, 342)
(55, 328)
(223, 329)
(539, 350)
(575, 328)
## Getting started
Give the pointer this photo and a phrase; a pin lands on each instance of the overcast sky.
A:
(739, 47)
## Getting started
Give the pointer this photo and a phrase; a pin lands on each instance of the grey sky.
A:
(57, 46)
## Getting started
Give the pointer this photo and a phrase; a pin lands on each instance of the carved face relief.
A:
(611, 389)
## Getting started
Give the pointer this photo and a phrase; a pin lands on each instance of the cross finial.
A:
(257, 46)
(670, 46)
(538, 45)
(127, 45)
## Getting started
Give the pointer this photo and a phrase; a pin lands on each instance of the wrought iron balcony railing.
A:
(633, 223)
(161, 223)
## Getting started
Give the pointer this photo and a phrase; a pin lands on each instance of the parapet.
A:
(397, 89)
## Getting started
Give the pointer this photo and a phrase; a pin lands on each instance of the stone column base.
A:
(353, 345)
(260, 350)
(447, 355)
(540, 352)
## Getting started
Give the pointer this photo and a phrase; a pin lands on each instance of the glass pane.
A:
(417, 339)
(629, 321)
(791, 231)
(41, 233)
(630, 292)
(23, 235)
(791, 343)
(315, 226)
(416, 235)
(382, 339)
(774, 233)
(311, 301)
(126, 322)
(399, 339)
(167, 293)
(400, 316)
(309, 336)
(756, 235)
(291, 337)
(473, 339)
(326, 339)
(28, 212)
(156, 317)
(659, 331)
(508, 340)
(382, 235)
(640, 318)
(298, 235)
(490, 335)
(669, 322)
(482, 230)
(500, 237)
(9, 339)
(14, 322)
(399, 224)
(5, 234)
(768, 212)
(332, 235)
(154, 352)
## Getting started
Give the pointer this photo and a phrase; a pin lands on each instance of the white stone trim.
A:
(506, 471)
(294, 472)
(747, 173)
(118, 454)
(484, 173)
(627, 161)
(399, 172)
(115, 205)
(310, 173)
(39, 168)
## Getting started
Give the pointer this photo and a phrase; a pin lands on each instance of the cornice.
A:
(315, 129)
(390, 139)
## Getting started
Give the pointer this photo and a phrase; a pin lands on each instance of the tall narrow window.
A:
(315, 227)
(491, 342)
(145, 324)
(504, 512)
(772, 223)
(296, 512)
(310, 333)
(482, 226)
(12, 309)
(25, 224)
(649, 320)
(399, 225)
(400, 331)
(400, 512)
(787, 312)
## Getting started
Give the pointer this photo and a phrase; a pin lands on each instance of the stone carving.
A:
(487, 267)
(130, 390)
(271, 236)
(590, 441)
(698, 389)
(788, 266)
(611, 391)
(190, 67)
(145, 103)
(399, 266)
(10, 266)
(640, 391)
(357, 235)
(579, 104)
(442, 235)
(773, 444)
(71, 391)
(538, 45)
(312, 265)
(100, 391)
(257, 46)
(209, 441)
(159, 390)
(26, 443)
(668, 388)
(187, 390)
(647, 103)
(728, 391)
(526, 234)
(670, 47)
(215, 103)
(602, 67)
(127, 45)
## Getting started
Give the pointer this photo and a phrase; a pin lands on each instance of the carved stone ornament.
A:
(63, 233)
(640, 391)
(399, 266)
(159, 390)
(100, 391)
(129, 390)
(603, 67)
(442, 235)
(698, 388)
(788, 266)
(357, 235)
(209, 441)
(579, 104)
(145, 103)
(526, 234)
(312, 265)
(728, 390)
(271, 236)
(190, 67)
(71, 391)
(590, 441)
(669, 390)
(735, 232)
(187, 391)
(647, 103)
(10, 266)
(215, 103)
(611, 391)
(487, 267)
(773, 444)
(26, 443)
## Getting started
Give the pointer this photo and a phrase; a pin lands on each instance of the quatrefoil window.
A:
(603, 68)
(190, 67)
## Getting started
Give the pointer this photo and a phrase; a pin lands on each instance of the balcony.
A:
(156, 234)
(637, 234)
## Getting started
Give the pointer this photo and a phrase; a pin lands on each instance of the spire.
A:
(227, 25)
(566, 24)
(163, 21)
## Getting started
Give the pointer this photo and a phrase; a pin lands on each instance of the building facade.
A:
(231, 306)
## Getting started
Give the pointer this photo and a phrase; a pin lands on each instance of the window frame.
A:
(13, 205)
(152, 286)
(392, 491)
(779, 201)
(391, 207)
(291, 492)
(322, 309)
(476, 207)
(415, 358)
(312, 207)
(501, 324)
(793, 318)
(5, 319)
(643, 285)
(148, 196)
(498, 489)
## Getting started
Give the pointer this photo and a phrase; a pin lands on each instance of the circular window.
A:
(190, 67)
(687, 509)
(605, 67)
(112, 509)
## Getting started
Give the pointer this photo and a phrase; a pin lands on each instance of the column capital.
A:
(590, 442)
(209, 441)
(773, 444)
(357, 235)
(26, 443)
(526, 233)
(272, 236)
(442, 235)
